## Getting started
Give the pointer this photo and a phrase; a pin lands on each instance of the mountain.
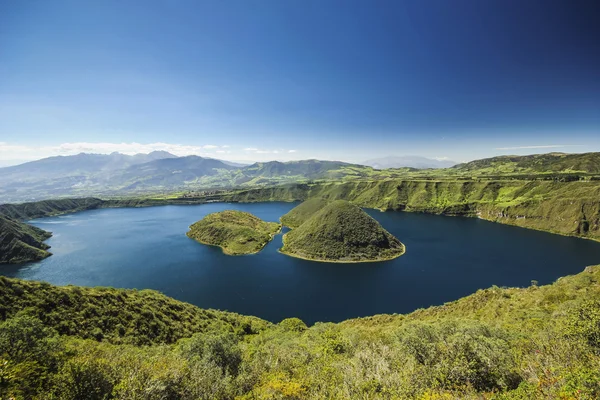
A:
(82, 164)
(407, 161)
(309, 169)
(234, 163)
(167, 172)
(67, 175)
(20, 242)
(341, 232)
(535, 163)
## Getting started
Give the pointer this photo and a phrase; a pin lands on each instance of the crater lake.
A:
(446, 258)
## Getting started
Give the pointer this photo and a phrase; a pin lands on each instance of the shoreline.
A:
(339, 261)
(271, 237)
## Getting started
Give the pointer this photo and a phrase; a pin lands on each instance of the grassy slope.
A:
(341, 232)
(21, 242)
(115, 315)
(45, 208)
(568, 208)
(500, 343)
(236, 232)
(588, 163)
(298, 215)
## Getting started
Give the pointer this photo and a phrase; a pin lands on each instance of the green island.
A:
(101, 343)
(339, 232)
(235, 232)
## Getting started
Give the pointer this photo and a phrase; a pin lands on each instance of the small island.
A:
(339, 232)
(235, 232)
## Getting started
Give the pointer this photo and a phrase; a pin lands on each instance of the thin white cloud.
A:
(547, 146)
(13, 151)
(250, 149)
(292, 151)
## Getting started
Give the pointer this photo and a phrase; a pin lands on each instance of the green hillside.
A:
(499, 343)
(567, 208)
(236, 232)
(21, 242)
(341, 232)
(298, 215)
(140, 317)
(46, 208)
(535, 163)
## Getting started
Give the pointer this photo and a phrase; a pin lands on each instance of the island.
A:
(235, 232)
(340, 232)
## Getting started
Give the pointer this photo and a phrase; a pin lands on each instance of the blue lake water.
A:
(446, 258)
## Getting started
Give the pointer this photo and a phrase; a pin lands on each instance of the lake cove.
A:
(446, 258)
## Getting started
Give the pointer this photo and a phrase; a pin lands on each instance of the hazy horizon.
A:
(267, 80)
(13, 162)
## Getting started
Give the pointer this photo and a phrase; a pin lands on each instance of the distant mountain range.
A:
(536, 163)
(117, 174)
(408, 161)
(120, 174)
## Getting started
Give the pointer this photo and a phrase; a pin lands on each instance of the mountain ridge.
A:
(408, 161)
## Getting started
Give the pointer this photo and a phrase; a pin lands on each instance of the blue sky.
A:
(259, 80)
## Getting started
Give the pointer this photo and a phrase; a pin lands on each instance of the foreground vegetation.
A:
(338, 232)
(236, 232)
(499, 343)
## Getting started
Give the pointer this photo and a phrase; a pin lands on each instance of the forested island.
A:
(337, 232)
(235, 232)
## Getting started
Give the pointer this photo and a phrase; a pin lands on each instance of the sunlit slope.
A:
(535, 163)
(297, 215)
(236, 232)
(21, 242)
(569, 208)
(499, 343)
(341, 232)
(115, 315)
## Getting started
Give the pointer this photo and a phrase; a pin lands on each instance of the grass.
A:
(235, 232)
(20, 242)
(298, 215)
(339, 232)
(498, 343)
